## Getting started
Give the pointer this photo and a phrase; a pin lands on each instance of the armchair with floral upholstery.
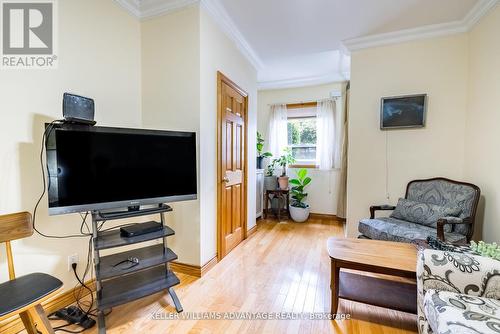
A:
(457, 293)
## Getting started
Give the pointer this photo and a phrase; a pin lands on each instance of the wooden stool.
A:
(23, 296)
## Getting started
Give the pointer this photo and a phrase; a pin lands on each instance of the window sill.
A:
(314, 167)
(304, 166)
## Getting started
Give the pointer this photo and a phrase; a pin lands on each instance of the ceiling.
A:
(286, 28)
(303, 42)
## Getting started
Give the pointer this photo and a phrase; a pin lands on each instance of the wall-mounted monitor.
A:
(98, 168)
(407, 111)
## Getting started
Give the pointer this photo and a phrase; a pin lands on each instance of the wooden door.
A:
(232, 137)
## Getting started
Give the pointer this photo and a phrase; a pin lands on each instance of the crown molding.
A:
(478, 12)
(215, 9)
(424, 32)
(131, 6)
(145, 9)
(152, 8)
(301, 82)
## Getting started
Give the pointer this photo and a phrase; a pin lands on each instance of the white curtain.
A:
(278, 133)
(328, 135)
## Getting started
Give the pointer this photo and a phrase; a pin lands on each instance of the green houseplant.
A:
(485, 249)
(299, 211)
(261, 155)
(270, 180)
(285, 160)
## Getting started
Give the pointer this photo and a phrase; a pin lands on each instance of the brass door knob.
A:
(225, 179)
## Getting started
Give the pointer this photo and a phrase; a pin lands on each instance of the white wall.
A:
(323, 189)
(219, 53)
(438, 67)
(171, 101)
(482, 137)
(99, 56)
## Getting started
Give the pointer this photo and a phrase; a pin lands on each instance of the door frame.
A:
(220, 79)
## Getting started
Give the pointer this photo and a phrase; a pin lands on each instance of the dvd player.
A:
(141, 228)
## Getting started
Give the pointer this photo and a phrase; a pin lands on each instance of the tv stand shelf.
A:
(102, 216)
(113, 238)
(119, 279)
(149, 257)
(134, 286)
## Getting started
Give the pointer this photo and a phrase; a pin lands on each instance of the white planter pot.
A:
(299, 215)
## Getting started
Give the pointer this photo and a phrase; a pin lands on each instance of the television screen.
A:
(98, 168)
(403, 112)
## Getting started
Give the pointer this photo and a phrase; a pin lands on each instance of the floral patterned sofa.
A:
(432, 207)
(457, 293)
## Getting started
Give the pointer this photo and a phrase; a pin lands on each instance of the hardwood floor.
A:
(283, 267)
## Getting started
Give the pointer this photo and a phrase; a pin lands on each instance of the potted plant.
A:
(286, 159)
(270, 180)
(299, 211)
(260, 147)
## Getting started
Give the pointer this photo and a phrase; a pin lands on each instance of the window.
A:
(302, 133)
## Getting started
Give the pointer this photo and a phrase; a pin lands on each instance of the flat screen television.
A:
(403, 112)
(101, 168)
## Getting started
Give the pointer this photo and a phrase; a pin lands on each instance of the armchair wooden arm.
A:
(374, 208)
(451, 221)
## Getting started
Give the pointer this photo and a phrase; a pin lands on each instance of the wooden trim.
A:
(252, 231)
(300, 117)
(50, 304)
(301, 105)
(222, 78)
(192, 270)
(185, 268)
(326, 216)
(219, 167)
(304, 166)
(209, 265)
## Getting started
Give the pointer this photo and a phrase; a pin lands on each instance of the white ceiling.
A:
(303, 38)
(302, 42)
(286, 28)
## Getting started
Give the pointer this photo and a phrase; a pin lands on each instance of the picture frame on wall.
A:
(403, 112)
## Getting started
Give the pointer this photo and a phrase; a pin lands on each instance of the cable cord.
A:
(387, 194)
(82, 282)
(46, 185)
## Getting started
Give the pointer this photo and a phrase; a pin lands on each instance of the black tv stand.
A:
(119, 282)
(123, 214)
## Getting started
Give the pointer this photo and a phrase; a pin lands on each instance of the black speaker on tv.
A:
(78, 109)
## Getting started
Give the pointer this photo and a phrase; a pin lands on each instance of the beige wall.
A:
(438, 67)
(99, 56)
(482, 137)
(171, 101)
(323, 189)
(181, 54)
(219, 53)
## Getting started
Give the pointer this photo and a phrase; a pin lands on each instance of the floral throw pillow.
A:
(424, 213)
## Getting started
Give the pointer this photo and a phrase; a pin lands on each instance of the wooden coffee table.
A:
(360, 257)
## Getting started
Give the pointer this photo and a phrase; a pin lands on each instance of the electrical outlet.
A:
(72, 259)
